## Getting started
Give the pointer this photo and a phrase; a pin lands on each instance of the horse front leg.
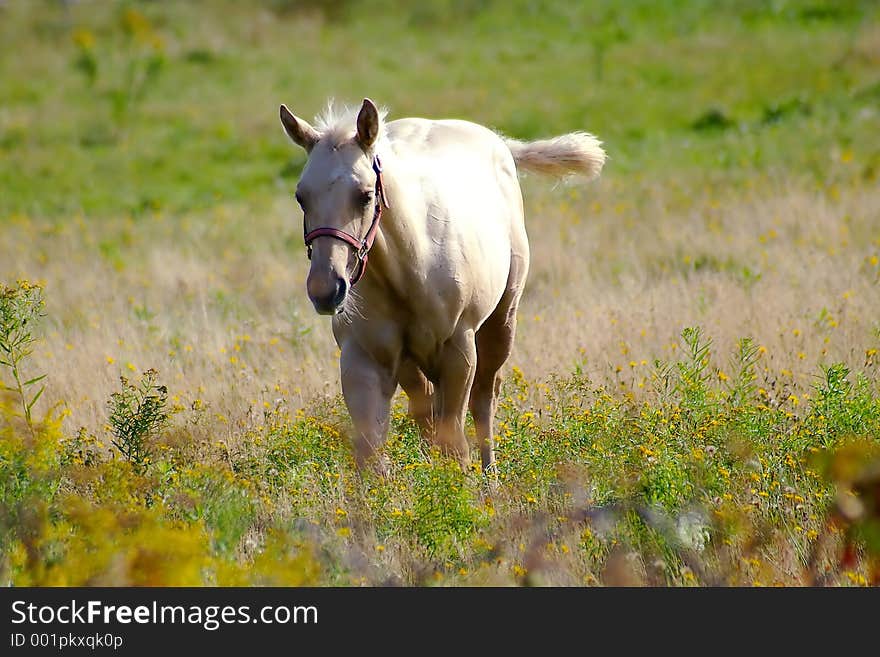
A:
(367, 387)
(455, 377)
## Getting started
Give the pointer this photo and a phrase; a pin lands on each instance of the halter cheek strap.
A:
(361, 247)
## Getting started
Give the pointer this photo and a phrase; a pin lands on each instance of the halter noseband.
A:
(361, 247)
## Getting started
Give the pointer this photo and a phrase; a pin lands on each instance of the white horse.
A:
(438, 208)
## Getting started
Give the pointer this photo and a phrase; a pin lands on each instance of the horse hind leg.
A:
(494, 343)
(420, 392)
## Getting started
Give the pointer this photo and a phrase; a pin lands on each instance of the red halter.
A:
(361, 247)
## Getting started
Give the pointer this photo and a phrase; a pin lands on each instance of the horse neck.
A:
(390, 253)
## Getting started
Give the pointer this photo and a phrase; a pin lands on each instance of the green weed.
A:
(20, 309)
(137, 413)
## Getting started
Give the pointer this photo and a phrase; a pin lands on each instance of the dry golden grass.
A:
(615, 279)
(216, 301)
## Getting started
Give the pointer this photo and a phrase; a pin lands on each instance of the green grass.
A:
(684, 86)
(713, 481)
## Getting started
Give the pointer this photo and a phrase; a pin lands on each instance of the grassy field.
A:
(693, 398)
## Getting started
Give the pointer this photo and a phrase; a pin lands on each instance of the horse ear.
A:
(367, 124)
(298, 130)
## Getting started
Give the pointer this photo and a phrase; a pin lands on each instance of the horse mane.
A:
(338, 123)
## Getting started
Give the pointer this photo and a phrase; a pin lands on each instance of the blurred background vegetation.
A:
(112, 107)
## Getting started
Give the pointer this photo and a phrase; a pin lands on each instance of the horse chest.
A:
(421, 343)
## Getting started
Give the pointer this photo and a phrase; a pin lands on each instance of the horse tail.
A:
(577, 153)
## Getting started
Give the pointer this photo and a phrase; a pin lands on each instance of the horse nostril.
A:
(341, 291)
(327, 292)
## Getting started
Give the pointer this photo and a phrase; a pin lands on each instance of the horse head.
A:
(340, 192)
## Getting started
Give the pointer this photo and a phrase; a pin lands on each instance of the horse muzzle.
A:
(328, 297)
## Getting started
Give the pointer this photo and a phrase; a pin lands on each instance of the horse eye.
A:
(365, 197)
(299, 199)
